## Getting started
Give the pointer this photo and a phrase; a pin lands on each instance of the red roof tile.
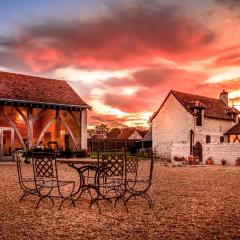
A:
(18, 87)
(126, 133)
(213, 108)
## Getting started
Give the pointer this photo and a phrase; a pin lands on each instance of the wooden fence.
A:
(111, 144)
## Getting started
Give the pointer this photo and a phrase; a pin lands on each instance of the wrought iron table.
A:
(85, 165)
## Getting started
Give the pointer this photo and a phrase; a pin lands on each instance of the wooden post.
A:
(80, 129)
(83, 129)
(30, 128)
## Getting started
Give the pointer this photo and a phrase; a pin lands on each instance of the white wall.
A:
(171, 125)
(213, 127)
(227, 151)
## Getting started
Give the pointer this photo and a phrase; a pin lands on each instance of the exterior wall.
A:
(180, 150)
(213, 127)
(135, 135)
(171, 125)
(229, 152)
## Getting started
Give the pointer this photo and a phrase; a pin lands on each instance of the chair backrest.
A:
(111, 165)
(44, 165)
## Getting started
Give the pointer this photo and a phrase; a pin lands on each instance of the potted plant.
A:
(209, 160)
(238, 161)
(223, 161)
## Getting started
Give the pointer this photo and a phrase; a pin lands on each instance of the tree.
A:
(91, 132)
(102, 128)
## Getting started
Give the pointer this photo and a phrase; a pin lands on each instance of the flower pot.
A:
(209, 161)
(237, 162)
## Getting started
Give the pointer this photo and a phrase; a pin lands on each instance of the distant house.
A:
(99, 136)
(130, 134)
(114, 133)
(35, 111)
(193, 121)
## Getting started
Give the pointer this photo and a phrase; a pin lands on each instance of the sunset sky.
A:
(123, 57)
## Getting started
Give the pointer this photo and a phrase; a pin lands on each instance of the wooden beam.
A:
(45, 129)
(11, 123)
(37, 116)
(74, 117)
(69, 131)
(30, 127)
(22, 115)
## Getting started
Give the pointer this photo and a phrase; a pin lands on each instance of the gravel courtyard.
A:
(200, 202)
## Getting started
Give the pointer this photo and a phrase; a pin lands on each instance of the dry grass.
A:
(190, 203)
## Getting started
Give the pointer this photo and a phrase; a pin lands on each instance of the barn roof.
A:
(213, 108)
(234, 130)
(37, 91)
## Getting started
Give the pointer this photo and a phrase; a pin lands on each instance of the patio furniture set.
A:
(110, 177)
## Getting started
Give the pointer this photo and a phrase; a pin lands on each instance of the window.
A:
(208, 139)
(221, 139)
(198, 113)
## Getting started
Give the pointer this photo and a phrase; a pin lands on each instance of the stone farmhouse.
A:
(188, 124)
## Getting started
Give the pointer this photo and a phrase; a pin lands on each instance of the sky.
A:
(124, 56)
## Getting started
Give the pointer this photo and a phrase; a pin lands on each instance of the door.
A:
(197, 150)
(6, 144)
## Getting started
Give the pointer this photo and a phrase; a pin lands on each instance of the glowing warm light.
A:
(88, 77)
(228, 74)
(128, 91)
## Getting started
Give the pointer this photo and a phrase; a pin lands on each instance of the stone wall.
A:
(227, 151)
(218, 152)
(171, 125)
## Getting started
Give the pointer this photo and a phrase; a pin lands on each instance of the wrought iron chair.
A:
(27, 184)
(46, 179)
(137, 185)
(109, 183)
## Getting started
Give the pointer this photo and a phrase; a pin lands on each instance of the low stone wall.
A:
(228, 151)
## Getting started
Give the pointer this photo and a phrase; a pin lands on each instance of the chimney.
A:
(224, 97)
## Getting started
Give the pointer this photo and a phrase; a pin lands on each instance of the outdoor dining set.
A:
(111, 177)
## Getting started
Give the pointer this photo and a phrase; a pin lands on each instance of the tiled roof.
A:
(24, 88)
(213, 108)
(114, 133)
(234, 130)
(142, 132)
(126, 133)
(148, 136)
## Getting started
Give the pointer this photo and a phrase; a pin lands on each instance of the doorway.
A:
(197, 150)
(6, 144)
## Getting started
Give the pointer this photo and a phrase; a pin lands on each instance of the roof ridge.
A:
(33, 76)
(174, 91)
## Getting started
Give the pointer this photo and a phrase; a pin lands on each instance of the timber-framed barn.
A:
(37, 111)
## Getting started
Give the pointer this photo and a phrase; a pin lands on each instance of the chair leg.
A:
(64, 199)
(143, 195)
(41, 198)
(124, 202)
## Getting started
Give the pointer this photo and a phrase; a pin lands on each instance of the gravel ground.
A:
(190, 203)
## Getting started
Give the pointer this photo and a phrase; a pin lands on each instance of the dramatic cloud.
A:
(232, 4)
(124, 58)
(127, 36)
